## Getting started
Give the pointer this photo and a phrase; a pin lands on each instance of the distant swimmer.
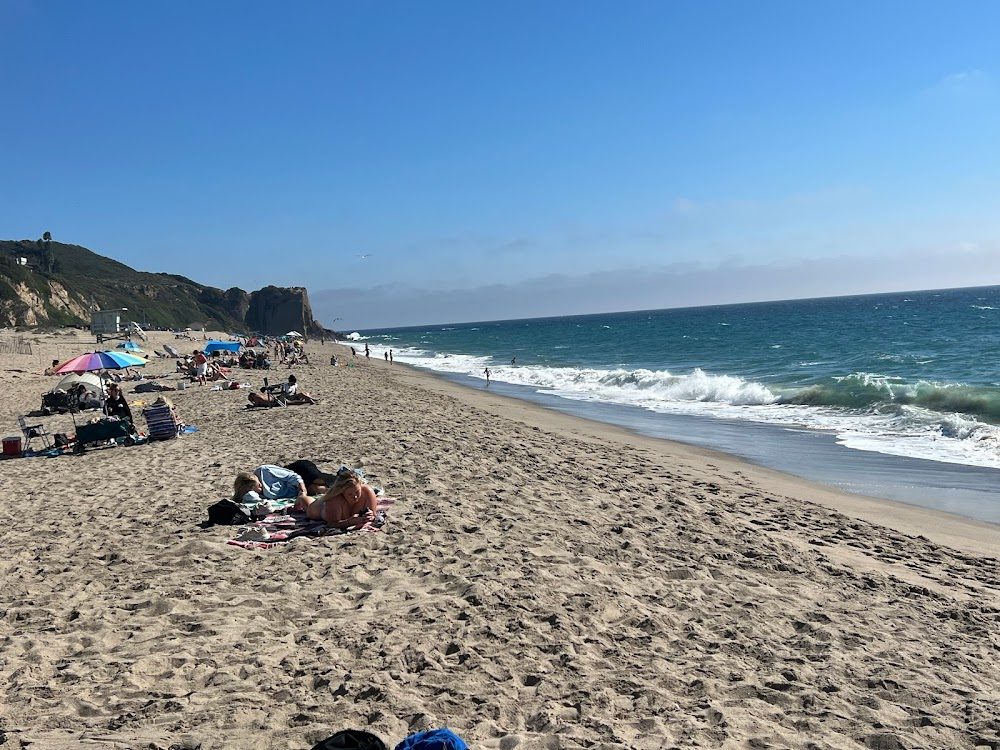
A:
(512, 361)
(486, 372)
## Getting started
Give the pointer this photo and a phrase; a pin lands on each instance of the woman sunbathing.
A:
(348, 504)
(215, 372)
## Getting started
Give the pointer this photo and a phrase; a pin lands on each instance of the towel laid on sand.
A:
(279, 528)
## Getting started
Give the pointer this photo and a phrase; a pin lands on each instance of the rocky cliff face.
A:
(33, 305)
(58, 284)
(275, 311)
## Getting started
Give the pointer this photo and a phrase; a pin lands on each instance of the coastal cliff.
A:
(45, 283)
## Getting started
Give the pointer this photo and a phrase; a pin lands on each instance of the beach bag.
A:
(227, 513)
(352, 739)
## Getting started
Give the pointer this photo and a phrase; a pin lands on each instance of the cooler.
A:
(12, 446)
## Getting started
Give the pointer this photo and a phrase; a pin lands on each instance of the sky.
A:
(423, 162)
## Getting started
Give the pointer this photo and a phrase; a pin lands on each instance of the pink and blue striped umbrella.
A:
(100, 361)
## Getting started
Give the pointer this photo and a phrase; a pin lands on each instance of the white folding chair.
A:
(32, 431)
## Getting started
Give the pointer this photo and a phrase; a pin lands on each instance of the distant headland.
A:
(44, 283)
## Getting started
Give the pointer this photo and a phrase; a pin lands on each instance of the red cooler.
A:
(12, 446)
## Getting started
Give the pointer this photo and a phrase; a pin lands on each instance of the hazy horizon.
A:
(660, 309)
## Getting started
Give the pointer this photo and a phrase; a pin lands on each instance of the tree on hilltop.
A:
(48, 264)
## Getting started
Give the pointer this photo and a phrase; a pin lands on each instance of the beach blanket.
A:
(280, 528)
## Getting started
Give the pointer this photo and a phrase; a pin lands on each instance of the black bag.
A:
(227, 513)
(61, 439)
(352, 739)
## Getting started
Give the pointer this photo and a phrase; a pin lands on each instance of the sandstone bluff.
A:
(46, 283)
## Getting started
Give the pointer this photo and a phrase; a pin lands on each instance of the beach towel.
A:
(280, 528)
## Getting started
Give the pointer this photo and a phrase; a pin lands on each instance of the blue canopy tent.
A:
(222, 346)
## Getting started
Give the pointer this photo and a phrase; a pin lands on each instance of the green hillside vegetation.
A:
(156, 299)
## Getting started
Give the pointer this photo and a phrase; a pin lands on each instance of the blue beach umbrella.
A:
(123, 359)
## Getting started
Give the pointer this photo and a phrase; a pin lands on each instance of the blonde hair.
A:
(245, 482)
(345, 478)
(163, 401)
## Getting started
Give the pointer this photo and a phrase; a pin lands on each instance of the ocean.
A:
(892, 395)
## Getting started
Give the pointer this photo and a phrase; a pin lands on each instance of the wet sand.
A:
(544, 582)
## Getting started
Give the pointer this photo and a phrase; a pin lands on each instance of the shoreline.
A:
(543, 582)
(812, 455)
(949, 529)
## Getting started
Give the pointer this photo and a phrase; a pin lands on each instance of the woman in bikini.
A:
(348, 504)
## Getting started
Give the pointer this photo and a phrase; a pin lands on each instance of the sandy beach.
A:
(543, 582)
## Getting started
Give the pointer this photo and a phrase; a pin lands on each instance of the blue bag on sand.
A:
(433, 739)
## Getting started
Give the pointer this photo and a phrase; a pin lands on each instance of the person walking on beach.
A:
(390, 356)
(486, 372)
(353, 353)
(387, 356)
(368, 352)
(201, 366)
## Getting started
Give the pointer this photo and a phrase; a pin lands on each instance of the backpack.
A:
(227, 513)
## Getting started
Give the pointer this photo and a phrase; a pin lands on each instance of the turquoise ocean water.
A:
(904, 382)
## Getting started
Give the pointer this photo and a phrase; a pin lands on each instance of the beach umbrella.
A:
(130, 346)
(92, 361)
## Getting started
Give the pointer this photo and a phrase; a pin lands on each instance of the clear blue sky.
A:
(510, 159)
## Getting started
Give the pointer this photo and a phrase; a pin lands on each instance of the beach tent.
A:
(294, 334)
(222, 346)
(89, 379)
(130, 346)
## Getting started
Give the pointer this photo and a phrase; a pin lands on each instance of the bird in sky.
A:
(366, 255)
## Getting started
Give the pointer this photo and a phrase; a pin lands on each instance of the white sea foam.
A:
(908, 431)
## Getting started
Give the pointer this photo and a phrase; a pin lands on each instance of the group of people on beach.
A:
(342, 500)
(200, 369)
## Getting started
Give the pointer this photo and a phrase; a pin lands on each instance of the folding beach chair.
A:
(161, 422)
(32, 431)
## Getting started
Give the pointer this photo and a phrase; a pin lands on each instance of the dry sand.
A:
(544, 582)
